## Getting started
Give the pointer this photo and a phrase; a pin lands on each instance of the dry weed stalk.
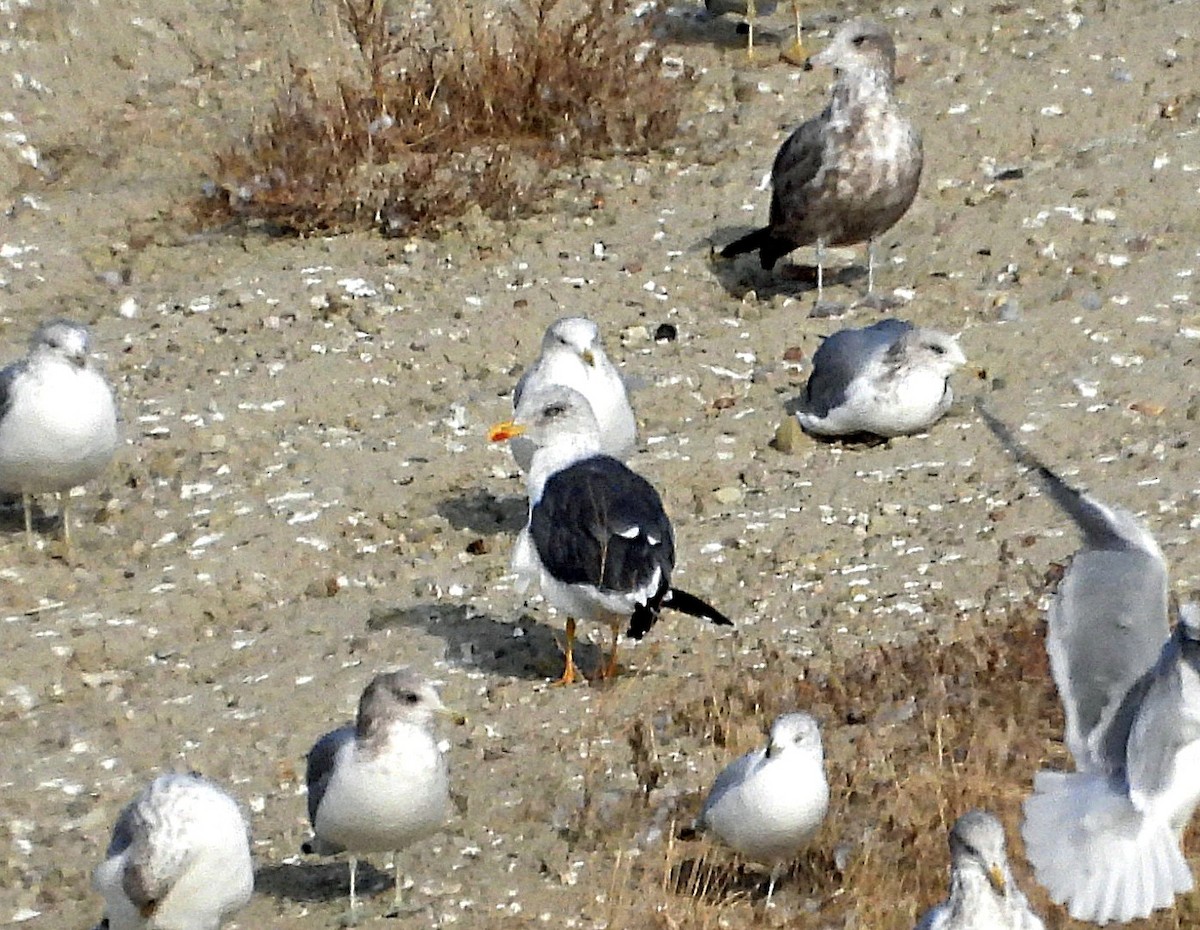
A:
(427, 131)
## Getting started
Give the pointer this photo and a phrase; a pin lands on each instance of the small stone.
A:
(665, 332)
(788, 436)
(793, 354)
(728, 495)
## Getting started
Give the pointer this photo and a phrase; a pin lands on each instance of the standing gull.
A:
(58, 421)
(752, 9)
(380, 784)
(1105, 839)
(769, 802)
(983, 893)
(888, 379)
(179, 859)
(847, 175)
(597, 540)
(573, 355)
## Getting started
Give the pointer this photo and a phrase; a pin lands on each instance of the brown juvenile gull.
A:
(58, 420)
(179, 858)
(1105, 839)
(381, 783)
(847, 175)
(887, 379)
(597, 540)
(767, 803)
(983, 893)
(573, 355)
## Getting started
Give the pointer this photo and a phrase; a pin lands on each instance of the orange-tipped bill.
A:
(506, 430)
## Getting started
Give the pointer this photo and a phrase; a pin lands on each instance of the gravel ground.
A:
(306, 494)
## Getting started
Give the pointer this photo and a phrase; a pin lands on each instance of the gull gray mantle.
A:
(598, 540)
(847, 175)
(888, 379)
(1105, 839)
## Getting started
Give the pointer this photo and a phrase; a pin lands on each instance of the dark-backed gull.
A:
(887, 379)
(179, 857)
(381, 783)
(983, 893)
(58, 420)
(847, 175)
(573, 355)
(597, 540)
(1105, 839)
(769, 802)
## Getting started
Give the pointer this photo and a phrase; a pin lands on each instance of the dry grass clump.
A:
(431, 126)
(914, 736)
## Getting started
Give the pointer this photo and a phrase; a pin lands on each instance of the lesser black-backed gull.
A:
(58, 420)
(887, 379)
(179, 857)
(381, 783)
(983, 893)
(1105, 839)
(597, 540)
(769, 802)
(847, 175)
(573, 355)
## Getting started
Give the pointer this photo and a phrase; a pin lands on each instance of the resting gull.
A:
(887, 379)
(597, 540)
(381, 783)
(1105, 839)
(983, 893)
(58, 420)
(847, 175)
(179, 858)
(767, 803)
(573, 355)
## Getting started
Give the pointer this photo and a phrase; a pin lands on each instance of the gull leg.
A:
(571, 673)
(870, 267)
(751, 13)
(820, 270)
(27, 503)
(353, 884)
(398, 896)
(776, 869)
(64, 510)
(795, 53)
(610, 668)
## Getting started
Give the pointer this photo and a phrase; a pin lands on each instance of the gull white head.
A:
(61, 339)
(931, 349)
(978, 848)
(574, 334)
(401, 696)
(797, 732)
(859, 46)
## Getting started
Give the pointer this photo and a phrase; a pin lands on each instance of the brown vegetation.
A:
(432, 125)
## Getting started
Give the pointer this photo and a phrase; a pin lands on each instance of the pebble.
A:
(788, 436)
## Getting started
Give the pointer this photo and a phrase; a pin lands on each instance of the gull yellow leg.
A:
(571, 673)
(751, 14)
(610, 667)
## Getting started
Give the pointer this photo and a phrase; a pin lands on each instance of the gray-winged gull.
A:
(983, 893)
(179, 858)
(769, 802)
(1105, 839)
(381, 783)
(572, 354)
(888, 379)
(58, 420)
(597, 540)
(847, 175)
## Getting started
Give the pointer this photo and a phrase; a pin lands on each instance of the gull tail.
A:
(645, 615)
(1096, 853)
(769, 248)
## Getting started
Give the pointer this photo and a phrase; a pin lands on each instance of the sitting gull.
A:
(573, 355)
(179, 857)
(1105, 839)
(847, 175)
(58, 421)
(380, 784)
(888, 379)
(597, 539)
(769, 802)
(983, 893)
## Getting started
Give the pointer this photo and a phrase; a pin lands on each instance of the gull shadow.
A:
(319, 881)
(12, 516)
(698, 28)
(482, 512)
(527, 648)
(741, 274)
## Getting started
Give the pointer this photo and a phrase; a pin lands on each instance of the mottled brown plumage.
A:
(848, 174)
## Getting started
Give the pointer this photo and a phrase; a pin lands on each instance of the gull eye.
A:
(555, 410)
(858, 41)
(938, 349)
(409, 697)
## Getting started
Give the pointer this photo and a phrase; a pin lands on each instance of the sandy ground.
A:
(306, 494)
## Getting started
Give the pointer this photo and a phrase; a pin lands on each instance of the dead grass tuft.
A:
(431, 127)
(915, 735)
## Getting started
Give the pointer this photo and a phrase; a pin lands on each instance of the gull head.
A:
(792, 732)
(400, 696)
(977, 847)
(929, 348)
(549, 416)
(860, 45)
(62, 339)
(574, 334)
